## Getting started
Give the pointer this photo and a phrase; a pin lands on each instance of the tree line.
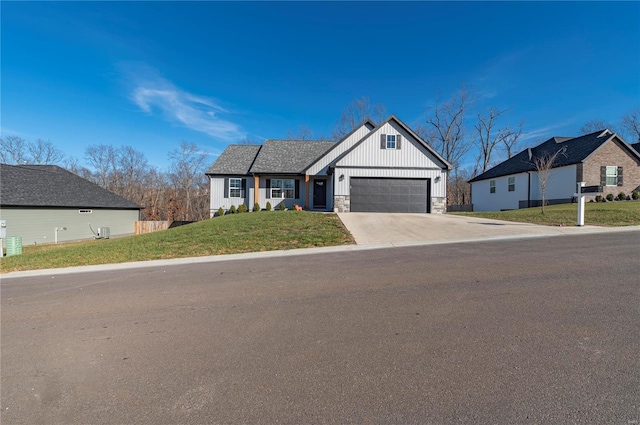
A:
(455, 127)
(179, 194)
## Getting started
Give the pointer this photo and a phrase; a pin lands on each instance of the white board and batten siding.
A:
(320, 167)
(37, 225)
(412, 160)
(218, 198)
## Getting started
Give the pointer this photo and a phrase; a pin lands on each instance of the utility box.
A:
(14, 245)
(3, 229)
(104, 233)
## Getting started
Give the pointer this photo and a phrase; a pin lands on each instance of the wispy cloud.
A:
(152, 92)
(543, 132)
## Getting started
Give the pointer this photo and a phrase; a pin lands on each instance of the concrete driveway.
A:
(407, 229)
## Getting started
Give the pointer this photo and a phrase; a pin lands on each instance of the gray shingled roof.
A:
(52, 186)
(236, 159)
(274, 156)
(288, 156)
(576, 150)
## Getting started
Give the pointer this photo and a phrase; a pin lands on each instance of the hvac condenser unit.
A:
(103, 233)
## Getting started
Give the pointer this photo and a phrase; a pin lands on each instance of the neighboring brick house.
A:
(601, 158)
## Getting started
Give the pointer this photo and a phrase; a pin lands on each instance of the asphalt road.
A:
(543, 330)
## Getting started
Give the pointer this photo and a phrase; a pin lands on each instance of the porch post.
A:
(256, 189)
(306, 191)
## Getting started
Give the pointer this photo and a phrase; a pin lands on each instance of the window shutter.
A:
(268, 188)
(297, 194)
(620, 176)
(226, 187)
(244, 188)
(603, 175)
(383, 141)
(398, 140)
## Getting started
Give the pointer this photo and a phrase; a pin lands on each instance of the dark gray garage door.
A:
(390, 195)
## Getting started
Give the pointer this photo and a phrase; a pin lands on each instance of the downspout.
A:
(529, 190)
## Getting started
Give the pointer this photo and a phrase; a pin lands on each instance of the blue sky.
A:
(153, 74)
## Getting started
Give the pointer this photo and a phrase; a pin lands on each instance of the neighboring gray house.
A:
(43, 202)
(602, 158)
(385, 168)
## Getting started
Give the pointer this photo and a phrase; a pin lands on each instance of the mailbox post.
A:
(584, 191)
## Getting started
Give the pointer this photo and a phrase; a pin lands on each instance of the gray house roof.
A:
(273, 157)
(52, 186)
(288, 156)
(236, 159)
(575, 150)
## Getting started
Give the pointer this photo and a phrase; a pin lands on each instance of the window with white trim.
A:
(612, 175)
(283, 188)
(391, 141)
(512, 184)
(492, 186)
(235, 188)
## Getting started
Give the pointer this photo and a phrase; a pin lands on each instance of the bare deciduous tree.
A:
(44, 152)
(103, 159)
(13, 150)
(512, 139)
(189, 180)
(303, 133)
(488, 136)
(630, 123)
(543, 164)
(355, 113)
(596, 125)
(445, 130)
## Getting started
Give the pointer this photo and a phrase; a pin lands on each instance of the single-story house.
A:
(602, 158)
(45, 203)
(384, 168)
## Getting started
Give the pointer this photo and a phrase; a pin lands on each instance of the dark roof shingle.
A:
(236, 159)
(288, 156)
(52, 186)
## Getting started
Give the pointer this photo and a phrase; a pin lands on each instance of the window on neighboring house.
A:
(612, 176)
(235, 188)
(512, 184)
(281, 188)
(391, 141)
(492, 186)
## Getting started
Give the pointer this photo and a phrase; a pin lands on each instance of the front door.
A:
(319, 194)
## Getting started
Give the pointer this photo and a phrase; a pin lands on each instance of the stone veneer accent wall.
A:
(438, 205)
(341, 203)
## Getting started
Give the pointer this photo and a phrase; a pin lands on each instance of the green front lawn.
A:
(230, 234)
(625, 213)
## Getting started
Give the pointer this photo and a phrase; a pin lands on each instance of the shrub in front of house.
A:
(281, 206)
(242, 208)
(268, 207)
(610, 197)
(635, 195)
(232, 209)
(256, 207)
(220, 212)
(599, 198)
(622, 196)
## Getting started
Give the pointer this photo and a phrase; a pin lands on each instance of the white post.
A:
(580, 204)
(56, 236)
